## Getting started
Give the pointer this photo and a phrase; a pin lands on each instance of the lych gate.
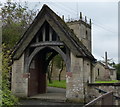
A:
(42, 49)
(46, 37)
(38, 67)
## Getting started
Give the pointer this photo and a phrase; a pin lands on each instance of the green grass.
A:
(58, 84)
(113, 81)
(62, 83)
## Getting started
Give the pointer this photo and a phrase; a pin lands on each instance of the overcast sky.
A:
(104, 17)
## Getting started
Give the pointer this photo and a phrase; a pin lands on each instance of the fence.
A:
(105, 99)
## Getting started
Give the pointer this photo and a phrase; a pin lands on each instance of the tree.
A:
(59, 63)
(50, 70)
(109, 61)
(117, 66)
(16, 19)
(62, 66)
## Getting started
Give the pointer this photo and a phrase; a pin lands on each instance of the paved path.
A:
(43, 103)
(53, 97)
(55, 90)
(53, 93)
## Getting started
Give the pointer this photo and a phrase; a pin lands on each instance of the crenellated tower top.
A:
(82, 29)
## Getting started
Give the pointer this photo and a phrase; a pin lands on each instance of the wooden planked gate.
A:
(37, 80)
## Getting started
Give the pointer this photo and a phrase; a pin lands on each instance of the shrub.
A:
(8, 99)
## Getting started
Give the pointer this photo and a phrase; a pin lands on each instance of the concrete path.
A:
(45, 103)
(55, 90)
(53, 97)
(53, 93)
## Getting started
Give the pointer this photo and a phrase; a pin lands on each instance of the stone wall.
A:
(19, 79)
(100, 73)
(83, 31)
(93, 93)
(87, 71)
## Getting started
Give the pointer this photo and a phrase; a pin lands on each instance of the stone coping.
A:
(103, 84)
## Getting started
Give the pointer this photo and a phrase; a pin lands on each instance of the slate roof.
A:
(60, 27)
(103, 64)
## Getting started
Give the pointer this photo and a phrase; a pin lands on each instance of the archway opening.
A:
(47, 67)
(56, 75)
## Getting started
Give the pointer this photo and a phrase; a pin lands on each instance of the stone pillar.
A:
(77, 79)
(74, 80)
(19, 78)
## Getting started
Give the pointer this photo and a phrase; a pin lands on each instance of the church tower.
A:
(82, 30)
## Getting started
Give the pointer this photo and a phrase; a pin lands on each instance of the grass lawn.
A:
(113, 81)
(58, 84)
(62, 83)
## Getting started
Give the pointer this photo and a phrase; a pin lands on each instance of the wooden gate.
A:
(37, 80)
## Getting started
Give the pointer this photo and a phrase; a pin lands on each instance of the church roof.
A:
(66, 35)
(103, 64)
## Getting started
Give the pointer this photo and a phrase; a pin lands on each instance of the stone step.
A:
(54, 97)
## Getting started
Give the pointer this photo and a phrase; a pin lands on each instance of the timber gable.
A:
(66, 35)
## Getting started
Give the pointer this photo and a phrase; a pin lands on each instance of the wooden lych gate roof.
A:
(65, 34)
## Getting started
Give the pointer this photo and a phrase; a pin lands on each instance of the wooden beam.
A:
(47, 43)
(55, 48)
(50, 58)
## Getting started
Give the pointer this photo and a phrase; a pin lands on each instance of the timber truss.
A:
(47, 43)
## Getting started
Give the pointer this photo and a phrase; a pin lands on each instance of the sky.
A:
(104, 16)
(119, 33)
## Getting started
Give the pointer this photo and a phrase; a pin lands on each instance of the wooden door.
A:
(33, 83)
(42, 74)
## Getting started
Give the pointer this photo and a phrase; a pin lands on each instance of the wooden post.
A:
(44, 34)
(37, 39)
(81, 15)
(107, 71)
(90, 22)
(106, 63)
(85, 19)
(50, 34)
(62, 17)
